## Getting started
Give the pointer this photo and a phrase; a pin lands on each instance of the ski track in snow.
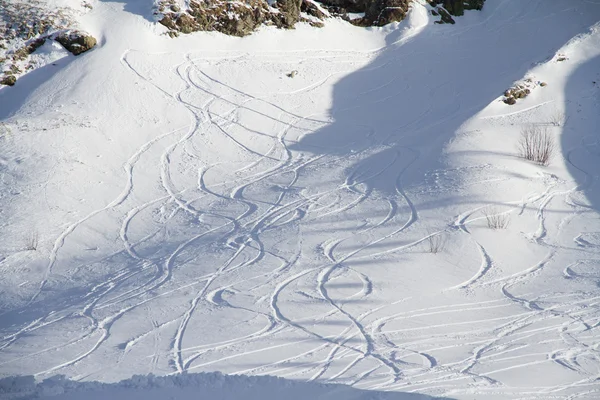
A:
(265, 260)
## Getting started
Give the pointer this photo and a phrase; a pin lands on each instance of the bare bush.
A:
(557, 118)
(536, 144)
(436, 242)
(31, 241)
(495, 219)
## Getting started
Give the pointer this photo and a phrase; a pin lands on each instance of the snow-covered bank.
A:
(209, 386)
(187, 205)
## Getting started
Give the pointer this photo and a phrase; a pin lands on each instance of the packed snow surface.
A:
(191, 205)
(213, 386)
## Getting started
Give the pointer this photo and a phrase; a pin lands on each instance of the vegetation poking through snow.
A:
(496, 219)
(557, 118)
(536, 144)
(32, 241)
(436, 242)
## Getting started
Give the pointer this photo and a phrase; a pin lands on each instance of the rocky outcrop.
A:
(520, 90)
(26, 25)
(311, 9)
(242, 17)
(289, 12)
(232, 18)
(473, 4)
(383, 12)
(76, 42)
(346, 6)
(446, 9)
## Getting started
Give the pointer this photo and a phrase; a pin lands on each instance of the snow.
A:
(23, 21)
(182, 205)
(214, 386)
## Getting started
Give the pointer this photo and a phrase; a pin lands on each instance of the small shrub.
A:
(536, 144)
(436, 242)
(31, 241)
(557, 118)
(496, 220)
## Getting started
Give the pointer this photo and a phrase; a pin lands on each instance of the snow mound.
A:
(214, 386)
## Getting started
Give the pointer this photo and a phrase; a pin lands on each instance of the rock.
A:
(232, 18)
(25, 51)
(289, 13)
(312, 9)
(542, 84)
(169, 22)
(186, 24)
(353, 6)
(448, 8)
(473, 4)
(383, 12)
(446, 18)
(36, 44)
(242, 17)
(76, 42)
(8, 80)
(518, 91)
(455, 7)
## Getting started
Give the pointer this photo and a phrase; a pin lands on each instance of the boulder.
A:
(445, 17)
(448, 8)
(311, 9)
(36, 44)
(455, 7)
(353, 6)
(232, 18)
(473, 4)
(289, 13)
(383, 12)
(8, 80)
(76, 42)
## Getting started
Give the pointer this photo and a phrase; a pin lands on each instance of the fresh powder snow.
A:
(346, 210)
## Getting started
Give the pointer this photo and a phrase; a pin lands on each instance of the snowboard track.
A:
(315, 312)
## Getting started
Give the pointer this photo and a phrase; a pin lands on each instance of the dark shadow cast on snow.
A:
(13, 98)
(400, 111)
(142, 8)
(580, 138)
(412, 99)
(214, 386)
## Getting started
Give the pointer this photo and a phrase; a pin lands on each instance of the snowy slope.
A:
(213, 386)
(184, 205)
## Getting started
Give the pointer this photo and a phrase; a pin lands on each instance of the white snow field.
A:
(182, 205)
(213, 386)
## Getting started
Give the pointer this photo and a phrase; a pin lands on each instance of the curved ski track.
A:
(314, 312)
